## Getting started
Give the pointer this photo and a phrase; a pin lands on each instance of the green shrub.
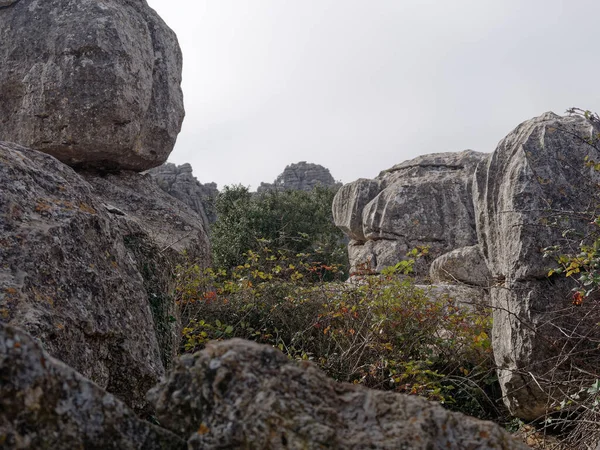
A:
(384, 332)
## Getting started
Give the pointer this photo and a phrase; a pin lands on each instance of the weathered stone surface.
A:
(179, 182)
(463, 265)
(4, 3)
(96, 84)
(423, 202)
(45, 404)
(349, 203)
(239, 394)
(301, 176)
(85, 267)
(536, 175)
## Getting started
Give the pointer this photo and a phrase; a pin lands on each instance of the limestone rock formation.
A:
(45, 404)
(423, 202)
(179, 182)
(239, 394)
(536, 176)
(301, 176)
(463, 265)
(96, 84)
(85, 267)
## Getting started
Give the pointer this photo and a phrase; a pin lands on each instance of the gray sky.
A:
(361, 85)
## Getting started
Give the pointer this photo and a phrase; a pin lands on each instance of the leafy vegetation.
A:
(382, 332)
(291, 220)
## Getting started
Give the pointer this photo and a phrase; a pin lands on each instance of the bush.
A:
(295, 221)
(383, 333)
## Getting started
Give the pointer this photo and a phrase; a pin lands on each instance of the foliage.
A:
(291, 220)
(383, 332)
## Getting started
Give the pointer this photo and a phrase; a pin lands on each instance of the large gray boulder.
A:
(425, 202)
(96, 84)
(44, 404)
(463, 265)
(240, 394)
(86, 266)
(180, 182)
(534, 187)
(301, 176)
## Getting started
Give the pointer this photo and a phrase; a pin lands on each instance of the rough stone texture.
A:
(85, 266)
(423, 202)
(239, 394)
(301, 176)
(4, 3)
(463, 265)
(535, 175)
(179, 182)
(96, 84)
(349, 203)
(45, 404)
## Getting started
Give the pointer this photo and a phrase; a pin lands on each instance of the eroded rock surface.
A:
(463, 265)
(96, 84)
(44, 404)
(423, 202)
(85, 267)
(180, 182)
(533, 188)
(300, 176)
(239, 394)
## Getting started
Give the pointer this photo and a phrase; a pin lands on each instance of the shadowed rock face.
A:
(44, 404)
(536, 175)
(85, 267)
(95, 84)
(300, 176)
(239, 394)
(423, 202)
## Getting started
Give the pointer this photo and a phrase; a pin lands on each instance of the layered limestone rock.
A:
(301, 176)
(423, 202)
(464, 265)
(96, 84)
(239, 394)
(86, 266)
(180, 182)
(534, 187)
(44, 404)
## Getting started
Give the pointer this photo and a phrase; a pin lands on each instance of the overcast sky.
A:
(361, 85)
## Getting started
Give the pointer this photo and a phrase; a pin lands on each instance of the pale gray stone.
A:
(463, 265)
(94, 83)
(301, 176)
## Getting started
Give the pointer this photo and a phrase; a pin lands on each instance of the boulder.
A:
(425, 202)
(301, 176)
(44, 404)
(105, 94)
(180, 182)
(534, 187)
(463, 265)
(240, 394)
(86, 267)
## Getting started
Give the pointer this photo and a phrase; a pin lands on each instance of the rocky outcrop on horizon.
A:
(106, 94)
(426, 201)
(301, 176)
(180, 182)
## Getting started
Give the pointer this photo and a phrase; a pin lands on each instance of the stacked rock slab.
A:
(44, 404)
(85, 263)
(240, 394)
(423, 202)
(301, 176)
(180, 182)
(534, 187)
(96, 84)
